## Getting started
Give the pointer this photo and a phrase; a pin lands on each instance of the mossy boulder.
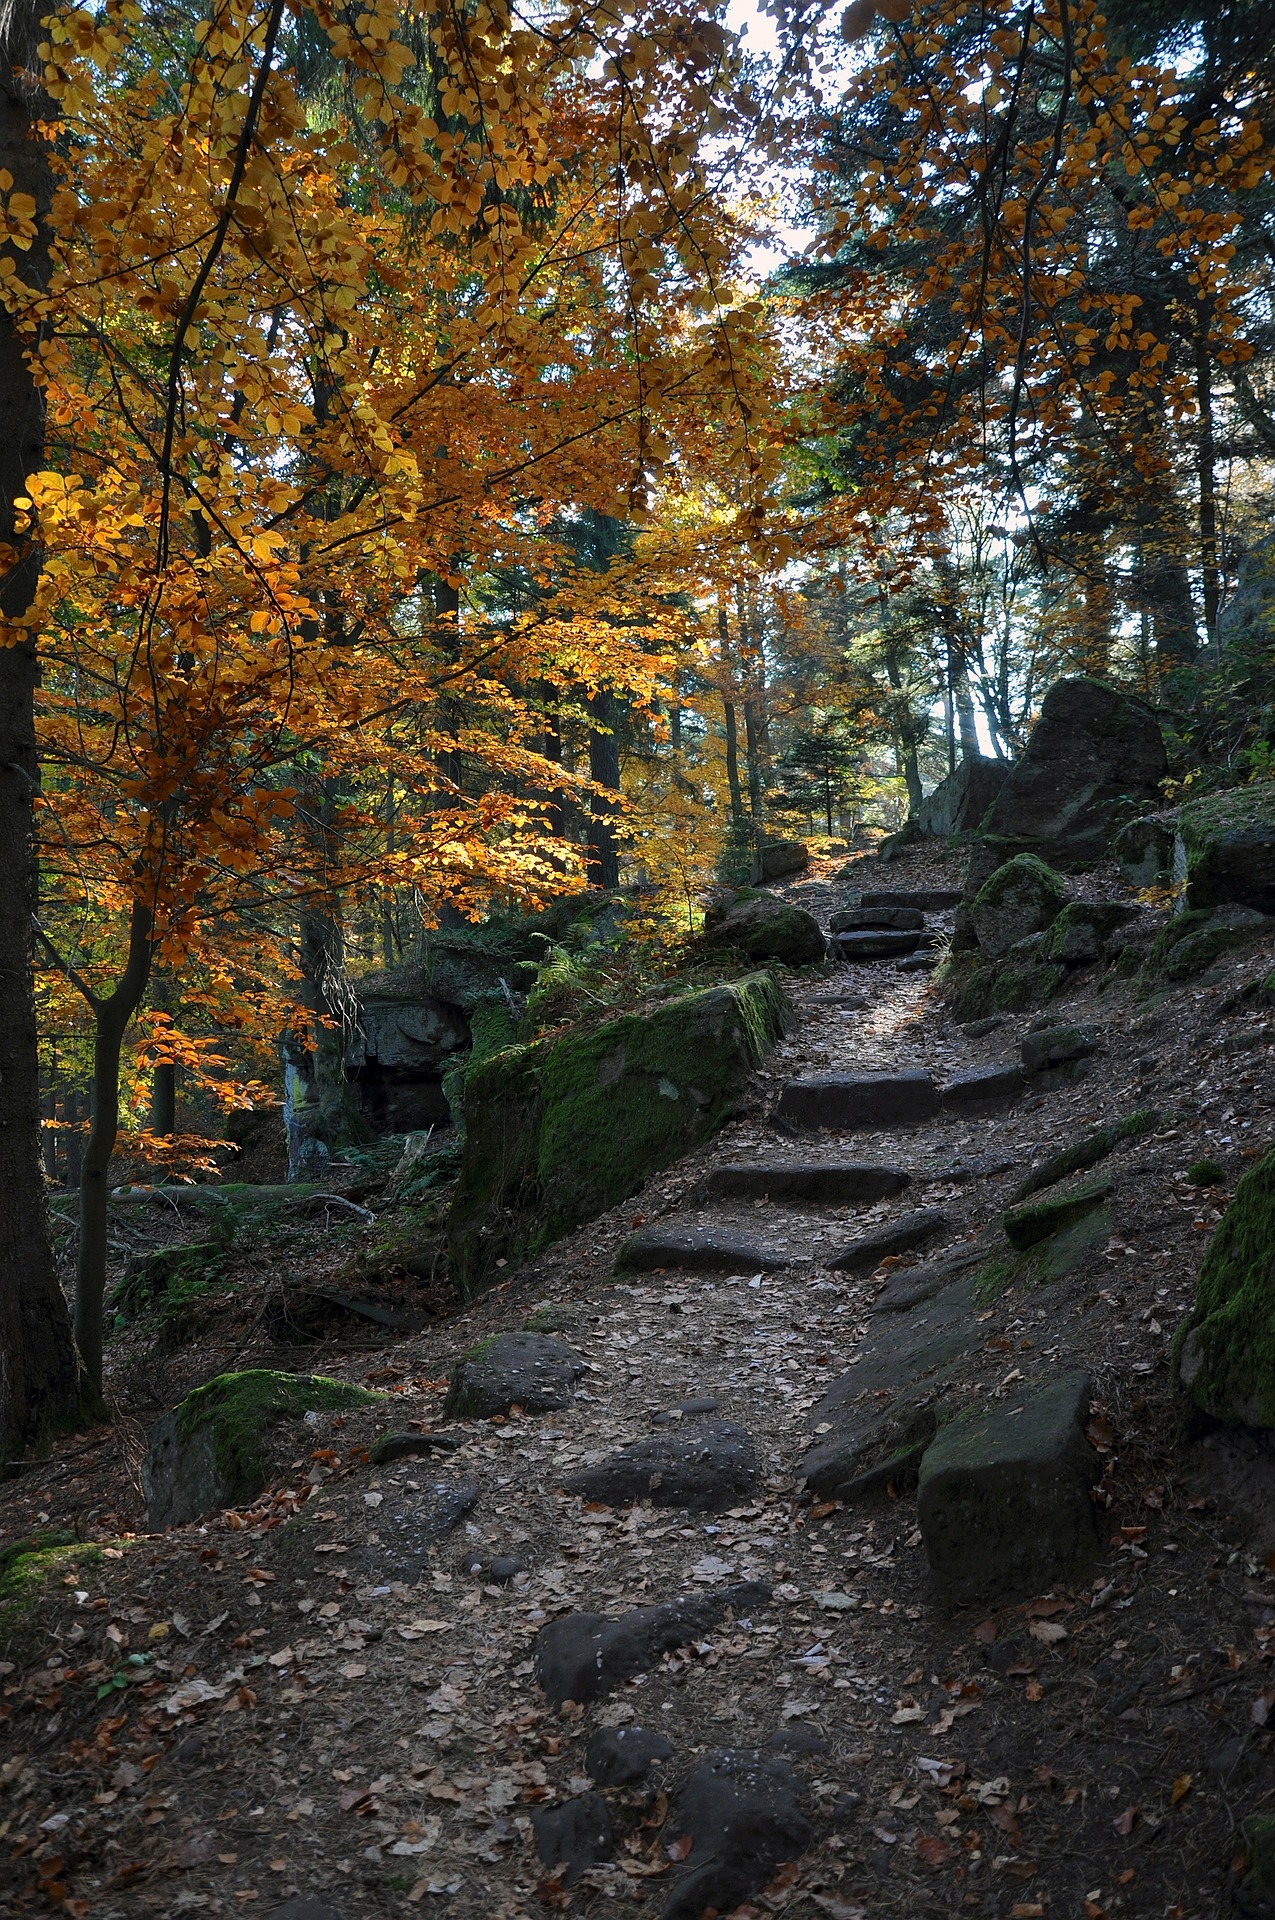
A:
(1022, 897)
(1225, 848)
(210, 1451)
(761, 926)
(1096, 756)
(780, 858)
(1035, 1220)
(1081, 931)
(1144, 852)
(561, 1130)
(1193, 940)
(976, 986)
(28, 1567)
(1225, 1349)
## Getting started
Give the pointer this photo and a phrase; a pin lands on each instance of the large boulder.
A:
(1095, 754)
(1021, 898)
(559, 1131)
(210, 1452)
(1226, 1347)
(1225, 849)
(780, 858)
(402, 1043)
(763, 927)
(1144, 852)
(959, 803)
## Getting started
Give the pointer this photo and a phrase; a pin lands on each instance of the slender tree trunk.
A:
(39, 1373)
(49, 1135)
(966, 721)
(905, 744)
(74, 1138)
(732, 760)
(604, 771)
(1207, 458)
(111, 1017)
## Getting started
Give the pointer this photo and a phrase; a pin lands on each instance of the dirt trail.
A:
(337, 1708)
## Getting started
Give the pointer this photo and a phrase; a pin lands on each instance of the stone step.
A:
(1004, 1496)
(837, 1183)
(928, 899)
(881, 943)
(996, 1084)
(844, 1101)
(902, 919)
(694, 1249)
(898, 1236)
(710, 1465)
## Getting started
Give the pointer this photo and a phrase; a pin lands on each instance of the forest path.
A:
(349, 1717)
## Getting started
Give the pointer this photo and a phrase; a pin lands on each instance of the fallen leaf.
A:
(1181, 1787)
(1101, 1434)
(353, 1670)
(985, 1632)
(1125, 1822)
(1048, 1632)
(678, 1849)
(1034, 1690)
(934, 1852)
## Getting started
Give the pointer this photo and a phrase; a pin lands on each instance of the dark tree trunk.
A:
(111, 1017)
(604, 771)
(732, 760)
(39, 1374)
(74, 1138)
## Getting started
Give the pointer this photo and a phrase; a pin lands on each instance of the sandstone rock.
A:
(1094, 753)
(585, 1656)
(210, 1451)
(836, 1183)
(881, 943)
(779, 858)
(959, 803)
(847, 1101)
(1225, 849)
(534, 1371)
(1000, 1082)
(1225, 1352)
(1004, 1496)
(1018, 900)
(1035, 1220)
(574, 1836)
(902, 919)
(741, 1814)
(695, 1250)
(1144, 852)
(1056, 1046)
(1082, 930)
(710, 1465)
(619, 1756)
(899, 1236)
(559, 1131)
(763, 927)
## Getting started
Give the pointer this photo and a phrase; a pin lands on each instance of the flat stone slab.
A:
(411, 1523)
(534, 1371)
(882, 944)
(998, 1084)
(846, 1101)
(918, 963)
(898, 1236)
(585, 1656)
(1040, 1218)
(695, 1250)
(928, 899)
(1004, 1497)
(913, 1286)
(708, 1466)
(835, 1183)
(902, 919)
(740, 1812)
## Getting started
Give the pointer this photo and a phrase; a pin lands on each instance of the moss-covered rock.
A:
(210, 1452)
(561, 1130)
(1191, 941)
(27, 1569)
(1225, 1349)
(976, 986)
(1081, 931)
(1086, 1152)
(1022, 897)
(1144, 852)
(1036, 1220)
(1225, 848)
(761, 926)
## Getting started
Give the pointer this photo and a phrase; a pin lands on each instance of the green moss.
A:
(1206, 1173)
(237, 1407)
(1037, 1219)
(974, 985)
(1050, 1259)
(553, 1317)
(1225, 1350)
(761, 926)
(562, 1130)
(1082, 928)
(1087, 1152)
(27, 1568)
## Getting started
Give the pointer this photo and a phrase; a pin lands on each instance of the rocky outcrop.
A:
(761, 926)
(1019, 899)
(1225, 1351)
(1095, 754)
(559, 1131)
(959, 803)
(1225, 849)
(1144, 852)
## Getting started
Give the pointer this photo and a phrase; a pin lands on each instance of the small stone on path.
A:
(740, 1812)
(845, 1101)
(574, 1836)
(407, 1446)
(617, 1756)
(1055, 1046)
(918, 963)
(899, 1236)
(534, 1371)
(710, 1466)
(585, 1656)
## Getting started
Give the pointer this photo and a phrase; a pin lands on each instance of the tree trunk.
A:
(604, 771)
(732, 760)
(904, 743)
(111, 1016)
(163, 1115)
(1206, 450)
(74, 1138)
(39, 1373)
